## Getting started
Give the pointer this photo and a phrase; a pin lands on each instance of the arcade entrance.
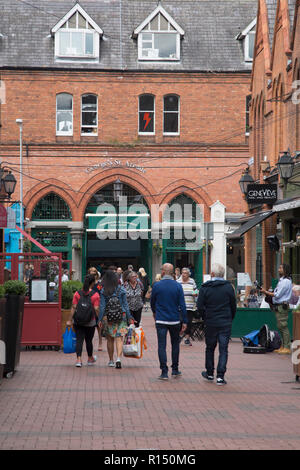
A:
(108, 238)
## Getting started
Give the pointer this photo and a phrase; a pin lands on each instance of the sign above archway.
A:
(115, 164)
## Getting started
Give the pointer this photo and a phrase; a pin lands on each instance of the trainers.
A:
(176, 374)
(187, 342)
(163, 376)
(111, 364)
(221, 381)
(92, 361)
(118, 364)
(205, 375)
(78, 364)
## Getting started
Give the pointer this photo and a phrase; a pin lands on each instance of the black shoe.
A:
(176, 374)
(118, 365)
(207, 377)
(221, 381)
(163, 376)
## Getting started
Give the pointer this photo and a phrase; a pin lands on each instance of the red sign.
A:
(3, 217)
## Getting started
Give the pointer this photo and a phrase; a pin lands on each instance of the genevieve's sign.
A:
(261, 193)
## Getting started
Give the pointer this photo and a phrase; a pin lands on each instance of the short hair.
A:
(218, 270)
(186, 270)
(296, 288)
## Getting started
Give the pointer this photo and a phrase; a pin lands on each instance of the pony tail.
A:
(89, 279)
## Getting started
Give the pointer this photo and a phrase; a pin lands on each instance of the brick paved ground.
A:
(50, 404)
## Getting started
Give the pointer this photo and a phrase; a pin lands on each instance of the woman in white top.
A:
(190, 296)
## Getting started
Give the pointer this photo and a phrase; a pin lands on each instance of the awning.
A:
(250, 223)
(286, 205)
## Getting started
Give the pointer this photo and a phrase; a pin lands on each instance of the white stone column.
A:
(218, 251)
(77, 235)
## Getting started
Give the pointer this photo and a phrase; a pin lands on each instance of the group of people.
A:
(174, 301)
(111, 291)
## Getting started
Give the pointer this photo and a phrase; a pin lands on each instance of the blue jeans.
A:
(162, 331)
(213, 336)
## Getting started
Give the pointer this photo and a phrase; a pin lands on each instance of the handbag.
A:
(69, 338)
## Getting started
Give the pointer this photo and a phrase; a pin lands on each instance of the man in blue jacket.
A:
(217, 305)
(168, 306)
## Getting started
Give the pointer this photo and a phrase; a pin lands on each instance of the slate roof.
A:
(209, 43)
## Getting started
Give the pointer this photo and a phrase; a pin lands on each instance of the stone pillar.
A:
(77, 235)
(218, 252)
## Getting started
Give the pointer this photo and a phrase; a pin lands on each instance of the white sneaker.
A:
(78, 364)
(111, 364)
(91, 362)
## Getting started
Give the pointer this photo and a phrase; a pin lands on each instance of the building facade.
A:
(275, 132)
(135, 99)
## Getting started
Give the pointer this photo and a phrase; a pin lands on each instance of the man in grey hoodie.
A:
(217, 306)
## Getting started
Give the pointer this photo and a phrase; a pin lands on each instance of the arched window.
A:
(64, 114)
(51, 207)
(171, 115)
(146, 114)
(89, 115)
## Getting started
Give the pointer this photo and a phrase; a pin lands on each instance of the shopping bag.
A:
(140, 343)
(69, 338)
(129, 346)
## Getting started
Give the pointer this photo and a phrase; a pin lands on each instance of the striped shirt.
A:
(189, 289)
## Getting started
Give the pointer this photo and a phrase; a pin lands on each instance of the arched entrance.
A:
(179, 249)
(117, 229)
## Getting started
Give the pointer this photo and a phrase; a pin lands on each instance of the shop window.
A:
(51, 207)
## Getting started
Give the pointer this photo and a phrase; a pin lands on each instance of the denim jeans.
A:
(213, 336)
(162, 331)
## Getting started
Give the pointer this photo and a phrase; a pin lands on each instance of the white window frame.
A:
(247, 115)
(139, 111)
(64, 133)
(169, 112)
(94, 134)
(247, 45)
(164, 59)
(90, 27)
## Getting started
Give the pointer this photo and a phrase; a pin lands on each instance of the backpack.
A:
(84, 310)
(113, 309)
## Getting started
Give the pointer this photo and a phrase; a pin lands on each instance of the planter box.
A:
(13, 332)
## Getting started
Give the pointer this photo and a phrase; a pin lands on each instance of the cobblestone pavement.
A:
(50, 404)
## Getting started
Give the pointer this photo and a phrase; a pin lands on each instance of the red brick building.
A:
(275, 129)
(153, 96)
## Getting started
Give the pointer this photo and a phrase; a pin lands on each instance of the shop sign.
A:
(114, 164)
(261, 193)
(3, 217)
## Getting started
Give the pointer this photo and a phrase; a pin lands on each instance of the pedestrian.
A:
(168, 307)
(112, 300)
(134, 293)
(119, 273)
(252, 299)
(125, 276)
(177, 273)
(217, 306)
(85, 305)
(143, 277)
(97, 288)
(280, 301)
(190, 296)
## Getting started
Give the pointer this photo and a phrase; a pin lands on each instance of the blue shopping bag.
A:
(69, 338)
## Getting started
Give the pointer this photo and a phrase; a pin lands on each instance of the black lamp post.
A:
(285, 166)
(7, 185)
(245, 180)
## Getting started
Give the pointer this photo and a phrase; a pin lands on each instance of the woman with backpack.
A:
(114, 315)
(84, 314)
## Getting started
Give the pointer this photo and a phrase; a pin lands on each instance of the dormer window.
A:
(159, 37)
(77, 36)
(248, 38)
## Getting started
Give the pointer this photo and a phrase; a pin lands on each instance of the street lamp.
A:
(285, 166)
(20, 124)
(245, 180)
(9, 184)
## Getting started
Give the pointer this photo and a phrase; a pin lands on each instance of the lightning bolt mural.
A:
(147, 119)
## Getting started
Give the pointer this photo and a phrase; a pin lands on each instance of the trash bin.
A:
(296, 337)
(2, 337)
(13, 332)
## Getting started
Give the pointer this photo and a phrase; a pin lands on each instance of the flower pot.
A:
(14, 312)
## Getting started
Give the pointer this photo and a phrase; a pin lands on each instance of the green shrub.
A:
(2, 292)
(68, 290)
(15, 287)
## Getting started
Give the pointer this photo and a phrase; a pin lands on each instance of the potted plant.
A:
(14, 309)
(157, 248)
(68, 290)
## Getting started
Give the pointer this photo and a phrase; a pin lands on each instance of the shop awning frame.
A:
(250, 223)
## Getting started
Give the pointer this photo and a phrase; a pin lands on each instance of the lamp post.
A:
(20, 124)
(245, 180)
(285, 166)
